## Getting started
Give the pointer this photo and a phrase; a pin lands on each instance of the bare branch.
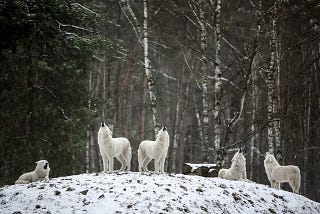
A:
(190, 69)
(134, 22)
(73, 26)
(83, 7)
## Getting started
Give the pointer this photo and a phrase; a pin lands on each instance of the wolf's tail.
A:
(296, 181)
(140, 158)
(221, 173)
(128, 156)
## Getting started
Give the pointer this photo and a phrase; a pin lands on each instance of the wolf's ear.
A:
(269, 160)
(109, 132)
(240, 150)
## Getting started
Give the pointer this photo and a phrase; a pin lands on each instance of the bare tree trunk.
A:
(181, 107)
(180, 153)
(147, 67)
(204, 80)
(88, 130)
(104, 70)
(176, 128)
(277, 102)
(217, 87)
(200, 131)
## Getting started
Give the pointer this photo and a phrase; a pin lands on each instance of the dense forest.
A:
(219, 74)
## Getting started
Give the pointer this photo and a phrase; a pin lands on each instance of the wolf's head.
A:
(270, 158)
(104, 130)
(42, 166)
(239, 158)
(163, 135)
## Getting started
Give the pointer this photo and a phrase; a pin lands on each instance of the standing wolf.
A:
(237, 172)
(156, 150)
(40, 173)
(113, 147)
(279, 174)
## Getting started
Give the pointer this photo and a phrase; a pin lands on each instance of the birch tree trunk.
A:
(143, 107)
(147, 67)
(217, 87)
(204, 81)
(274, 123)
(253, 118)
(254, 99)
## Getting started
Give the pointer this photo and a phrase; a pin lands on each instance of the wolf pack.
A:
(157, 150)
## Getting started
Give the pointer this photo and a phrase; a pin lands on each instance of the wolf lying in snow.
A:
(40, 173)
(113, 147)
(237, 172)
(156, 150)
(279, 174)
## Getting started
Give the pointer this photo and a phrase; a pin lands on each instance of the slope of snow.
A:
(149, 193)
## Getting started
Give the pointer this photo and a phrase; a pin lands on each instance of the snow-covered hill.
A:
(149, 193)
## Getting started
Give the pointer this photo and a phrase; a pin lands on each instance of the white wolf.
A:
(237, 172)
(113, 147)
(156, 150)
(279, 174)
(40, 173)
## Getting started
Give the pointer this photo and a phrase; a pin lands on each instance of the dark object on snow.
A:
(84, 192)
(205, 170)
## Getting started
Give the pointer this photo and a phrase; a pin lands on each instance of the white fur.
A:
(156, 150)
(113, 147)
(237, 172)
(279, 174)
(39, 174)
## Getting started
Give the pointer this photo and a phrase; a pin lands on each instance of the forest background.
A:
(219, 74)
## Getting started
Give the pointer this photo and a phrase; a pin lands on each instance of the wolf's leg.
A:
(145, 163)
(120, 158)
(140, 160)
(278, 185)
(157, 165)
(110, 159)
(161, 163)
(22, 182)
(295, 182)
(293, 187)
(142, 164)
(105, 163)
(125, 162)
(127, 158)
(244, 174)
(273, 184)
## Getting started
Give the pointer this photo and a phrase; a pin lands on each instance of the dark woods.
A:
(246, 72)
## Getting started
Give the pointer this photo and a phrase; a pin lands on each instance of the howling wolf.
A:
(279, 174)
(113, 147)
(237, 172)
(40, 173)
(156, 150)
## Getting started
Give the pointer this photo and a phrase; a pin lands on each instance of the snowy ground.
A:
(149, 193)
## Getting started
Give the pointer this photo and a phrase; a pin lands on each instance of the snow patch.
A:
(149, 193)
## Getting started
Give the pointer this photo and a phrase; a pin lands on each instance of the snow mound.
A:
(149, 193)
